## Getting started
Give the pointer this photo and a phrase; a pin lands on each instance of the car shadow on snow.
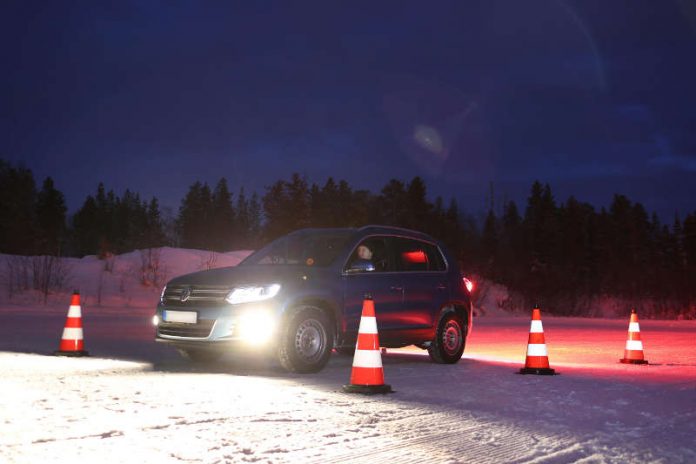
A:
(336, 373)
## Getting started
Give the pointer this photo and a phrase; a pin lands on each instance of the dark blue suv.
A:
(301, 296)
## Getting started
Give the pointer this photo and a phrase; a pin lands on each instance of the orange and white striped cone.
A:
(633, 354)
(537, 361)
(72, 341)
(367, 375)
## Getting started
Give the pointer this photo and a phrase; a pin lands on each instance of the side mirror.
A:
(361, 265)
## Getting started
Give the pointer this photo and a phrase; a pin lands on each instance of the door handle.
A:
(396, 289)
(441, 287)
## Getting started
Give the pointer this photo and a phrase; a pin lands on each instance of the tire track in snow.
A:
(465, 440)
(574, 452)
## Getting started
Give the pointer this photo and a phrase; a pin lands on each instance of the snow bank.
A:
(127, 281)
(120, 281)
(491, 299)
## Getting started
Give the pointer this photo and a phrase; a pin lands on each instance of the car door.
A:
(425, 282)
(382, 283)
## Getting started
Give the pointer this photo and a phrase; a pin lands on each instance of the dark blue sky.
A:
(593, 97)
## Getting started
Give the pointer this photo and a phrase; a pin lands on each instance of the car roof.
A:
(373, 229)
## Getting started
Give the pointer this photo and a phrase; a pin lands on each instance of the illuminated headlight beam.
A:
(256, 327)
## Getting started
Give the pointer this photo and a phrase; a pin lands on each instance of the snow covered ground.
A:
(137, 401)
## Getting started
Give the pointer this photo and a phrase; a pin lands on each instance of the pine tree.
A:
(286, 206)
(511, 245)
(317, 215)
(689, 250)
(17, 200)
(541, 238)
(154, 235)
(104, 223)
(223, 218)
(416, 204)
(437, 224)
(391, 204)
(50, 218)
(242, 233)
(97, 223)
(276, 207)
(255, 221)
(194, 218)
(325, 210)
(129, 222)
(358, 208)
(489, 245)
(85, 229)
(298, 197)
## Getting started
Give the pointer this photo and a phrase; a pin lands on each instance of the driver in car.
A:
(364, 253)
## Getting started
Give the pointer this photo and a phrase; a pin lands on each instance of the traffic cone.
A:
(72, 343)
(537, 361)
(633, 354)
(367, 375)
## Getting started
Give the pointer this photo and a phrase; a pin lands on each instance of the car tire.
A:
(200, 355)
(306, 341)
(450, 339)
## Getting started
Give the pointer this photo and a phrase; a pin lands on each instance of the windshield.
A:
(310, 249)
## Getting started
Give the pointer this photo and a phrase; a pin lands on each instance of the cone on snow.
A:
(367, 375)
(633, 354)
(537, 361)
(72, 342)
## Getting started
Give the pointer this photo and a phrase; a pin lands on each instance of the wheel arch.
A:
(325, 305)
(462, 308)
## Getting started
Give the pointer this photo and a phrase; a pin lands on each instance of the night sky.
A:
(593, 97)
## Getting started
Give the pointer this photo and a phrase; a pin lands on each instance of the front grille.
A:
(207, 295)
(175, 329)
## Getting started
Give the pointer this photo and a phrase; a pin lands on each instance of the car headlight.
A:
(253, 293)
(164, 289)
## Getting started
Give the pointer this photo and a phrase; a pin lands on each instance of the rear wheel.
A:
(448, 345)
(306, 341)
(200, 355)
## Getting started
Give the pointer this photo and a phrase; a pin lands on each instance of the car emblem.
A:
(185, 295)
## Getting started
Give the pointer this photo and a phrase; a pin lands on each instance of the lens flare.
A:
(429, 139)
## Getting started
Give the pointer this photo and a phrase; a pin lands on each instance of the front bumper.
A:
(217, 324)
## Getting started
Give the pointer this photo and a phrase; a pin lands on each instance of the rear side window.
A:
(414, 255)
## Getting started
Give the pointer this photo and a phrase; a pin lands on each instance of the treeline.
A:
(214, 219)
(564, 255)
(560, 255)
(108, 224)
(33, 220)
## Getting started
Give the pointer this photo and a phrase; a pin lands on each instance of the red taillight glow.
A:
(414, 257)
(468, 284)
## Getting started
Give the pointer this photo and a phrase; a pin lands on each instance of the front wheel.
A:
(448, 345)
(306, 341)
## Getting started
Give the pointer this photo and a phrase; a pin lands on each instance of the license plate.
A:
(184, 317)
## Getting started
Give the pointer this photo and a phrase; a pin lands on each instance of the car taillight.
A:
(468, 284)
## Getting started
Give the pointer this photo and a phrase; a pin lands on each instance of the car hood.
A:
(243, 275)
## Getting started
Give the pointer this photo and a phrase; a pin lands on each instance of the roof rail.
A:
(392, 228)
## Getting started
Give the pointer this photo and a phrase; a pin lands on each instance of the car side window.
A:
(414, 255)
(374, 250)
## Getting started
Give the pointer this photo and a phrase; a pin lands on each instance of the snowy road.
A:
(136, 401)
